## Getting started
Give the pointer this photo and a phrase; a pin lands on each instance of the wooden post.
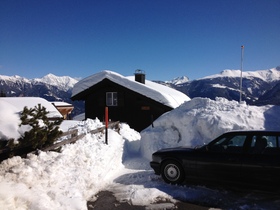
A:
(106, 124)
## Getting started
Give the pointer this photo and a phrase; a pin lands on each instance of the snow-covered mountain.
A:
(259, 87)
(178, 80)
(49, 87)
(63, 82)
(269, 75)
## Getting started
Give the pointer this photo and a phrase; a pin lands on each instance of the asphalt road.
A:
(107, 201)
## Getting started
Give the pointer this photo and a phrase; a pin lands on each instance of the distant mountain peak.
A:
(63, 82)
(178, 80)
(14, 78)
(266, 75)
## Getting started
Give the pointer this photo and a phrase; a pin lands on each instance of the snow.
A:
(67, 180)
(163, 94)
(60, 103)
(200, 120)
(9, 121)
(178, 80)
(14, 79)
(268, 75)
(63, 82)
(10, 107)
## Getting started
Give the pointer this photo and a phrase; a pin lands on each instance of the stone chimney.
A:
(140, 76)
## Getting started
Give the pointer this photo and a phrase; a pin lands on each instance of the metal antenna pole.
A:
(242, 52)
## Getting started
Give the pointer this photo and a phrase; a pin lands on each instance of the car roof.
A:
(253, 132)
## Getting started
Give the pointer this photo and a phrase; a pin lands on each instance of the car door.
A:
(261, 166)
(222, 160)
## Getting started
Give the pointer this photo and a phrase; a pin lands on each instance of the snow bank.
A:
(63, 180)
(132, 140)
(200, 120)
(68, 179)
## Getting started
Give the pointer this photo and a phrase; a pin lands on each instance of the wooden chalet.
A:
(64, 108)
(131, 100)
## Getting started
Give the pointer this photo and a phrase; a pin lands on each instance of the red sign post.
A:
(106, 124)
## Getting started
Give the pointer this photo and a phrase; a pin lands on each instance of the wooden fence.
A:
(74, 136)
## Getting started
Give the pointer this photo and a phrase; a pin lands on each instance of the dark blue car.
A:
(248, 157)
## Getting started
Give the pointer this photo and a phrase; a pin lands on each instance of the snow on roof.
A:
(10, 107)
(9, 120)
(163, 94)
(30, 102)
(60, 103)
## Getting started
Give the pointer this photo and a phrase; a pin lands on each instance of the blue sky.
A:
(165, 38)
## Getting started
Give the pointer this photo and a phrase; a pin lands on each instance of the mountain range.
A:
(260, 87)
(49, 87)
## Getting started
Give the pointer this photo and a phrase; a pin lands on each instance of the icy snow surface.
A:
(68, 179)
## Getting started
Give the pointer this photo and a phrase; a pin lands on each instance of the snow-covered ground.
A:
(67, 180)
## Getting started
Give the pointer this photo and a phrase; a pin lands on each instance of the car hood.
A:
(176, 149)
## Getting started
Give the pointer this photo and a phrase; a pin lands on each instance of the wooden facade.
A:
(128, 106)
(65, 109)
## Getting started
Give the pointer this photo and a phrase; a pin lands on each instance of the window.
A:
(264, 144)
(235, 141)
(229, 144)
(112, 99)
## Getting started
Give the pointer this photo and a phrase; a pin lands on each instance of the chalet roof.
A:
(61, 103)
(160, 93)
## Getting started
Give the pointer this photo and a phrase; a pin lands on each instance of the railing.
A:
(75, 137)
(5, 153)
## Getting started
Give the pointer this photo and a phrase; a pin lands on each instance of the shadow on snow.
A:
(216, 197)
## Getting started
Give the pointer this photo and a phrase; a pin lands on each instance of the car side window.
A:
(229, 144)
(264, 144)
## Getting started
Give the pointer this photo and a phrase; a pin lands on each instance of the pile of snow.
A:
(200, 120)
(68, 179)
(63, 180)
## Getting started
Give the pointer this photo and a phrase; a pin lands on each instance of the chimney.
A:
(140, 76)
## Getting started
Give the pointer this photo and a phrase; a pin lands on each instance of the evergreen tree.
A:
(42, 133)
